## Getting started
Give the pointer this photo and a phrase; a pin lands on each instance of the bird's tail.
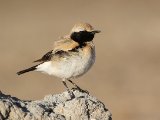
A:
(27, 70)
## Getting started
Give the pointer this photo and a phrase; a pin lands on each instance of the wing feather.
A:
(61, 47)
(45, 57)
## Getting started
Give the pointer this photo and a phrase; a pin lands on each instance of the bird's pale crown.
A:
(82, 27)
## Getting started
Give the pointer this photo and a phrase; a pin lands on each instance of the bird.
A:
(72, 56)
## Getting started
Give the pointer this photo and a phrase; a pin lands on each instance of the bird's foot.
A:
(81, 90)
(71, 94)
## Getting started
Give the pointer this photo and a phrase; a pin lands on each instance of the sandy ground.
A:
(126, 75)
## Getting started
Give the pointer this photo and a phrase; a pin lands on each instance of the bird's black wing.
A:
(48, 56)
(61, 50)
(45, 57)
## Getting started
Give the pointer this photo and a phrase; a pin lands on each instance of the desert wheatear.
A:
(72, 56)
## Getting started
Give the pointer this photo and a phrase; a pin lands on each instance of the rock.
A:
(54, 107)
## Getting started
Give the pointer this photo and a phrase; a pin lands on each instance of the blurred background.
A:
(126, 75)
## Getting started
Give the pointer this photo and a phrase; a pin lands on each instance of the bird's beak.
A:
(96, 31)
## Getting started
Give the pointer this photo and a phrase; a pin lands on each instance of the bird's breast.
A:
(76, 64)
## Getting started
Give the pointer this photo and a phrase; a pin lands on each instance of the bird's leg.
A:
(81, 90)
(74, 84)
(70, 93)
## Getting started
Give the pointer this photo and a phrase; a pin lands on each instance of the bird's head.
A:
(83, 32)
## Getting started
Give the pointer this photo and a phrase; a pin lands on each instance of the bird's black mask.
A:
(82, 36)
